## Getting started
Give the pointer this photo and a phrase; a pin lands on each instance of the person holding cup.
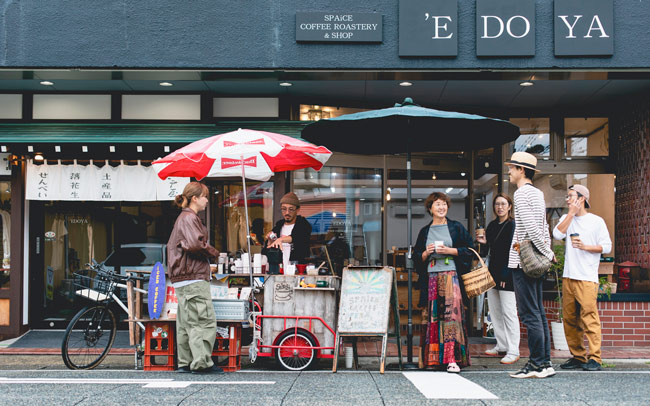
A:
(588, 239)
(501, 299)
(441, 254)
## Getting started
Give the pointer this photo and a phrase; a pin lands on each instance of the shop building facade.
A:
(118, 85)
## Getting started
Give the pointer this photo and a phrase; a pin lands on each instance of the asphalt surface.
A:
(43, 380)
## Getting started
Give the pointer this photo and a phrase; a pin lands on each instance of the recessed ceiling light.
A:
(57, 148)
(46, 83)
(3, 148)
(286, 84)
(30, 148)
(526, 84)
(166, 148)
(166, 84)
(84, 148)
(111, 148)
(406, 84)
(138, 148)
(462, 174)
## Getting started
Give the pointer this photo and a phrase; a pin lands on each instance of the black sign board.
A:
(338, 27)
(584, 27)
(428, 28)
(505, 27)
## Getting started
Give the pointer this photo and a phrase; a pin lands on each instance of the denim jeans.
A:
(531, 311)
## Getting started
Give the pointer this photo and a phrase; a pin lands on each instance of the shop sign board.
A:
(505, 27)
(338, 27)
(428, 28)
(584, 27)
(365, 300)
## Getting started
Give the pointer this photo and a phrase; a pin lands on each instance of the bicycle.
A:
(90, 334)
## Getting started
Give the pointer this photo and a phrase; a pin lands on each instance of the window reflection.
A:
(343, 205)
(535, 136)
(586, 137)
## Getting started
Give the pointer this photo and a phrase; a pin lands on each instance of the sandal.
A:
(453, 368)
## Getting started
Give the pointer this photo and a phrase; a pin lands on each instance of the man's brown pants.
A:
(580, 308)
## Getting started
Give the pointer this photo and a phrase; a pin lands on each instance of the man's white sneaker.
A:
(510, 359)
(493, 352)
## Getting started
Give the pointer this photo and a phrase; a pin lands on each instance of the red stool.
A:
(159, 342)
(229, 347)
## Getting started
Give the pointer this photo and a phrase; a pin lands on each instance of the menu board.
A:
(365, 300)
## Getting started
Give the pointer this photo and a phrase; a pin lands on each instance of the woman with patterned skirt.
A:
(442, 255)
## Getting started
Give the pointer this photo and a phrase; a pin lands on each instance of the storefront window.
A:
(314, 112)
(601, 187)
(535, 136)
(228, 218)
(585, 137)
(5, 211)
(344, 207)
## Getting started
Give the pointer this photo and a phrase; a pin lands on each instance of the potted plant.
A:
(557, 326)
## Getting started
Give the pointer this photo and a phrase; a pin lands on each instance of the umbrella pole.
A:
(409, 267)
(248, 232)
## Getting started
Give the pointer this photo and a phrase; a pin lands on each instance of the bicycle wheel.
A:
(89, 337)
(293, 359)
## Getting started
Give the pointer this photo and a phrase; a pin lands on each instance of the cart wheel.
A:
(296, 359)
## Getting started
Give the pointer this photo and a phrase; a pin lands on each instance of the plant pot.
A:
(559, 339)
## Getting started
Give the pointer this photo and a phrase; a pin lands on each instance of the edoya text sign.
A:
(584, 27)
(338, 27)
(428, 28)
(505, 27)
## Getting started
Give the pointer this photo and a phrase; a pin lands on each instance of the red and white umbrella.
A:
(254, 154)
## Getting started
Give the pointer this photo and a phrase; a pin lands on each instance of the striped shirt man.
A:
(530, 222)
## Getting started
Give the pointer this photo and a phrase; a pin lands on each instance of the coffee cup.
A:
(575, 237)
(480, 232)
(438, 244)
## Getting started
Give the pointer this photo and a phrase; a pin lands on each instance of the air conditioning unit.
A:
(417, 211)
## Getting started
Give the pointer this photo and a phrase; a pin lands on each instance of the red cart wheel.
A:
(293, 359)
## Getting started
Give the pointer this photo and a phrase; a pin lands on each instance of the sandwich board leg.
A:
(337, 340)
(355, 352)
(382, 364)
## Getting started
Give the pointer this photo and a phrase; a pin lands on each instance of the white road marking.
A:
(147, 383)
(443, 385)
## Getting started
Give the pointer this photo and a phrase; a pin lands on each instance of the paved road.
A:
(262, 387)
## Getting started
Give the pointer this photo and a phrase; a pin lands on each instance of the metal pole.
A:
(409, 266)
(248, 231)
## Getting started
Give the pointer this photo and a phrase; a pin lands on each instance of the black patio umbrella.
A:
(408, 127)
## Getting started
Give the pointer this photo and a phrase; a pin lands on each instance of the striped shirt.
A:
(530, 222)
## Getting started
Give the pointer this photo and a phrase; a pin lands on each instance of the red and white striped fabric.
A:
(263, 154)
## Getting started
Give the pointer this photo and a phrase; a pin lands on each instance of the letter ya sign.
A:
(584, 27)
(505, 27)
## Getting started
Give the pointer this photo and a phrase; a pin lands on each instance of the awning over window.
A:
(36, 133)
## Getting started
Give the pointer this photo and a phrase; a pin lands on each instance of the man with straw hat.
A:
(530, 224)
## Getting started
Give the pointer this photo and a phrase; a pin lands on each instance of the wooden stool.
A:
(159, 342)
(229, 347)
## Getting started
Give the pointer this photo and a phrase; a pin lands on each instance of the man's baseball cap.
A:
(583, 191)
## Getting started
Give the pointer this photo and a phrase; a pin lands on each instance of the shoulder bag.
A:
(479, 280)
(533, 262)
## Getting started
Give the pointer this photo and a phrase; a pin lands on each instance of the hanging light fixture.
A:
(434, 177)
(388, 194)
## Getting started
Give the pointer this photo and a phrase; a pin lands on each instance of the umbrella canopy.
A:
(409, 127)
(261, 154)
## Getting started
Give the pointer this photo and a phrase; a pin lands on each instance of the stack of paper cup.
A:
(246, 264)
(257, 263)
(349, 357)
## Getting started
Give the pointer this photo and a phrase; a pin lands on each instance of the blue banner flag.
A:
(156, 291)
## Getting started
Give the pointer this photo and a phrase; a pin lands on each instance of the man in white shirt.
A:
(588, 238)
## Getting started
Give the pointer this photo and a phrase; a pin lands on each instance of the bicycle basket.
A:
(94, 285)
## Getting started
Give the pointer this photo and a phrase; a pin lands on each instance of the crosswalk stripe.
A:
(443, 385)
(147, 383)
